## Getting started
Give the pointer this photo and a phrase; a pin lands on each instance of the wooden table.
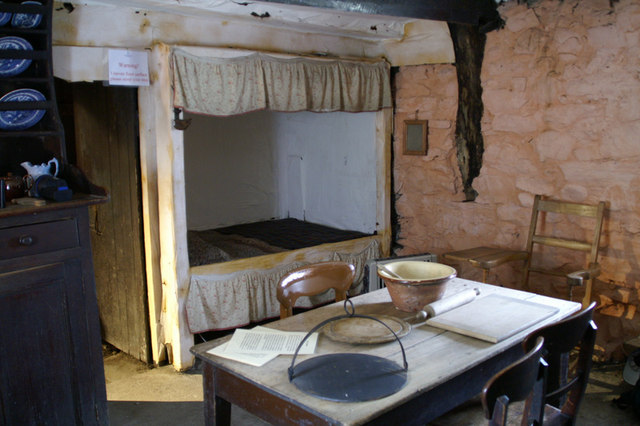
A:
(445, 368)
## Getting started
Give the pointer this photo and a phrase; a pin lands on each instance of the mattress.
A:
(260, 238)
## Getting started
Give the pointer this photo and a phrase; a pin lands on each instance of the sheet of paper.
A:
(258, 359)
(266, 329)
(255, 359)
(128, 67)
(285, 343)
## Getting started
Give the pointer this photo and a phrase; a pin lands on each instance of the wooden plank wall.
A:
(107, 150)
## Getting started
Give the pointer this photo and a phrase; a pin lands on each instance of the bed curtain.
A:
(223, 87)
(217, 302)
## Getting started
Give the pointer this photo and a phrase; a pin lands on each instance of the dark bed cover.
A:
(260, 238)
(291, 234)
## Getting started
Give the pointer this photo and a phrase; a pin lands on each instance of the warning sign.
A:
(128, 67)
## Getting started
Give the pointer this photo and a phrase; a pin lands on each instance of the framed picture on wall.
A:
(416, 141)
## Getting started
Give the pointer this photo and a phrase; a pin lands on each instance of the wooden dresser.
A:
(51, 367)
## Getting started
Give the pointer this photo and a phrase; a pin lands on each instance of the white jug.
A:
(36, 171)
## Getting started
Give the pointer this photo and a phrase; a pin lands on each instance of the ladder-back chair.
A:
(539, 236)
(566, 379)
(520, 381)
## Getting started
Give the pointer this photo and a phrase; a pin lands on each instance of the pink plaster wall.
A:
(562, 118)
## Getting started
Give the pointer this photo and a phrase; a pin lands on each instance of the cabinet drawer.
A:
(38, 238)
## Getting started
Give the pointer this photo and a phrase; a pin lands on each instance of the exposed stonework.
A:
(561, 90)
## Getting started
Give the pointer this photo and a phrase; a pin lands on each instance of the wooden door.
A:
(105, 130)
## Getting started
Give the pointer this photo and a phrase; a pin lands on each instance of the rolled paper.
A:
(451, 302)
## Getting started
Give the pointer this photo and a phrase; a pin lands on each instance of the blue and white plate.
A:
(10, 67)
(27, 20)
(5, 17)
(23, 118)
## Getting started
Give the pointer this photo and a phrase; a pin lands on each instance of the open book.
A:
(261, 344)
(492, 318)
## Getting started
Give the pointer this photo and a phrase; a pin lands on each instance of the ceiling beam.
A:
(473, 12)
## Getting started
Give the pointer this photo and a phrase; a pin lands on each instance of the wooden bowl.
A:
(419, 283)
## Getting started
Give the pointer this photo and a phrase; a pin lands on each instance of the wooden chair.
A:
(540, 229)
(566, 385)
(522, 380)
(314, 279)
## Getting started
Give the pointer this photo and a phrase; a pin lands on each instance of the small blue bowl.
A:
(27, 20)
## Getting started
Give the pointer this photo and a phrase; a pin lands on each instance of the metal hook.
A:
(178, 123)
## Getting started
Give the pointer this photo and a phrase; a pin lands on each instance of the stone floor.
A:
(139, 395)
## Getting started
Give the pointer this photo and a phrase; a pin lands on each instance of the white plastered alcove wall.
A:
(263, 165)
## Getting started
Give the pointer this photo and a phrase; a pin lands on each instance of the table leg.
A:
(223, 389)
(217, 411)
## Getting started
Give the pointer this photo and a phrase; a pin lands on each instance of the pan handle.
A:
(350, 313)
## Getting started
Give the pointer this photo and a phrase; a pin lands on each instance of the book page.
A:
(255, 359)
(258, 358)
(284, 343)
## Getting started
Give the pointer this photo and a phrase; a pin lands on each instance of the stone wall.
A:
(562, 118)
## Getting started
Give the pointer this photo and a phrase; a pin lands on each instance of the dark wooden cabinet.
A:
(51, 367)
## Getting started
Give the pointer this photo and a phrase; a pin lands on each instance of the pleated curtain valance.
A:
(223, 87)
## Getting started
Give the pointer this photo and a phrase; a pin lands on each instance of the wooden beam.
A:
(163, 155)
(468, 45)
(472, 12)
(384, 124)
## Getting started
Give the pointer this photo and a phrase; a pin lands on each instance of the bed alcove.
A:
(169, 200)
(263, 183)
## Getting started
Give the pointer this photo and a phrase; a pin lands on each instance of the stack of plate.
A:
(23, 118)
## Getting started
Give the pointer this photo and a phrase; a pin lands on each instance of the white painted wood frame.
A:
(165, 213)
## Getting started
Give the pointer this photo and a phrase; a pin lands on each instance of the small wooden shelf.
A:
(24, 54)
